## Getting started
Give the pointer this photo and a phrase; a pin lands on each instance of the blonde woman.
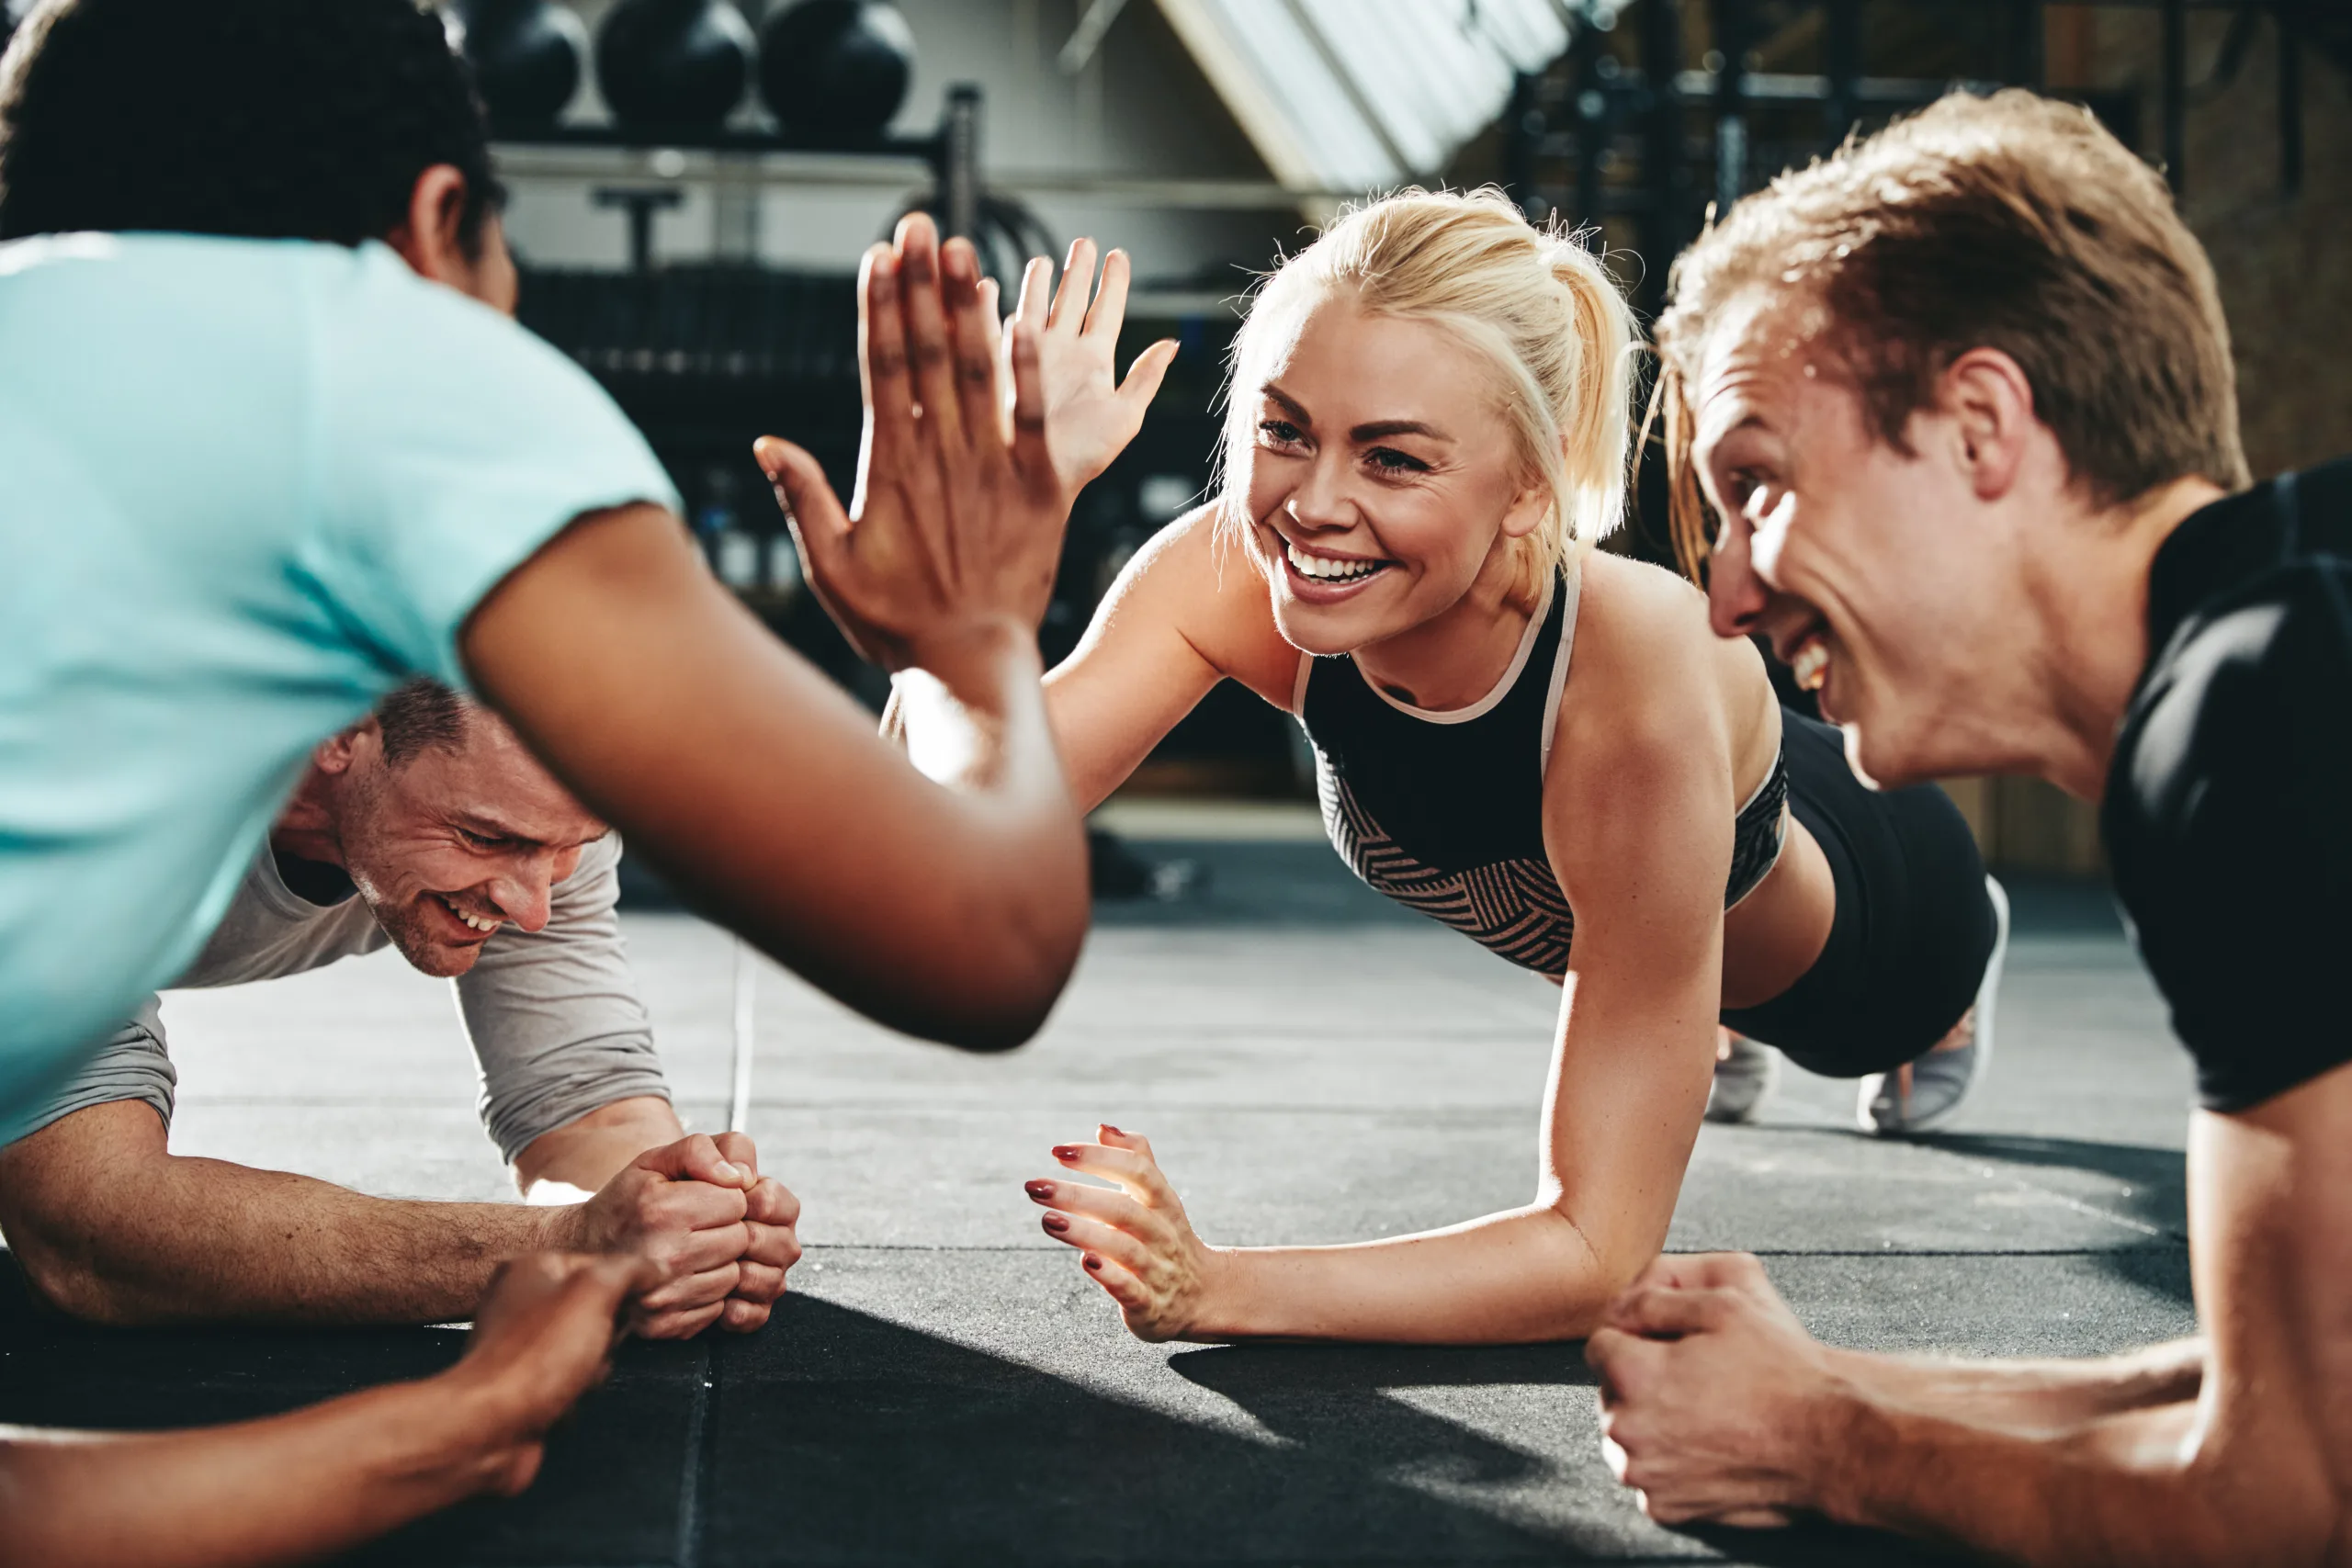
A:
(1542, 746)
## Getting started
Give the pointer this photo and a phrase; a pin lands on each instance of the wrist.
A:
(977, 660)
(1842, 1426)
(456, 1434)
(1216, 1310)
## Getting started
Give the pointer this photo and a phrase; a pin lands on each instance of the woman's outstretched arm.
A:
(1639, 819)
(295, 1487)
(740, 770)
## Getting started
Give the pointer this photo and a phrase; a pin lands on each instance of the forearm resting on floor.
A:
(2032, 1397)
(2126, 1489)
(111, 1227)
(286, 1489)
(1524, 1276)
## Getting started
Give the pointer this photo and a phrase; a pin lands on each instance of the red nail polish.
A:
(1065, 1151)
(1041, 1191)
(1057, 1222)
(1093, 1262)
(1112, 1131)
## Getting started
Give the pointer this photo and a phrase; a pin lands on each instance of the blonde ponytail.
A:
(1536, 302)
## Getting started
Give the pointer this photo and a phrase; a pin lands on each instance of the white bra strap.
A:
(1573, 586)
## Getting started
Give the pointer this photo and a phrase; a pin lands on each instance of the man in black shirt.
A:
(1952, 417)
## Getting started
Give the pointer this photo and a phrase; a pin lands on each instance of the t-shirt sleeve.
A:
(2241, 841)
(553, 1015)
(449, 445)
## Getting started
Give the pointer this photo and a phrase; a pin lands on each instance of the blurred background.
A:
(694, 180)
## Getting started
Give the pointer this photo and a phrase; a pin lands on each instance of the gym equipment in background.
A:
(680, 63)
(526, 56)
(836, 67)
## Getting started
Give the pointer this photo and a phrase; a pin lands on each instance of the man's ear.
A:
(430, 239)
(339, 751)
(1990, 403)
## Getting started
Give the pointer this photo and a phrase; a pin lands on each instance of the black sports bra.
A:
(1443, 812)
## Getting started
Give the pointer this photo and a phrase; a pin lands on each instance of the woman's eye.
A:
(1391, 460)
(1282, 432)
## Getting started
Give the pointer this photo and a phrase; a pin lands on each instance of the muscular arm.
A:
(2257, 1469)
(1721, 1406)
(112, 1226)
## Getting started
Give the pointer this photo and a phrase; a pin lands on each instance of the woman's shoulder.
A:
(1196, 576)
(1648, 672)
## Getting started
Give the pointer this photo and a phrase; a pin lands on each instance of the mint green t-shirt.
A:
(246, 487)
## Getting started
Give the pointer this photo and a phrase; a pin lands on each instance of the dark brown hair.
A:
(421, 713)
(2013, 222)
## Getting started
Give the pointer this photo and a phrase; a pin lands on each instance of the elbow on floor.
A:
(82, 1290)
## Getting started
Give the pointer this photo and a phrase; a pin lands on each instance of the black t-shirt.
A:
(2228, 815)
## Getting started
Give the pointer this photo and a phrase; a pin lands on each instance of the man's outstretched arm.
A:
(295, 1487)
(1716, 1405)
(110, 1226)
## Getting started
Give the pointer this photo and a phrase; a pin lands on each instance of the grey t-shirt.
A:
(552, 1015)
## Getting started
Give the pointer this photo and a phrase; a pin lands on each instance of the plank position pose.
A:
(427, 827)
(1531, 742)
(267, 461)
(1962, 399)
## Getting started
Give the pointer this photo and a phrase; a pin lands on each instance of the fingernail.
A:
(1112, 1131)
(1093, 1262)
(1065, 1151)
(959, 262)
(1041, 1191)
(729, 1171)
(1057, 1222)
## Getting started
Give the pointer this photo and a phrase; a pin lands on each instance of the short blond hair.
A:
(1534, 302)
(2013, 222)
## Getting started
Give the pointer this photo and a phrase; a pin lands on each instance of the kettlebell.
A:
(836, 66)
(526, 56)
(679, 63)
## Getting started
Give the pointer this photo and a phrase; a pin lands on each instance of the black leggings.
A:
(1914, 928)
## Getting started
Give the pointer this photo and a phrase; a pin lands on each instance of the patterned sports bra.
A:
(1443, 812)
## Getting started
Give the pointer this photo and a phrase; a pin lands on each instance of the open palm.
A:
(1090, 416)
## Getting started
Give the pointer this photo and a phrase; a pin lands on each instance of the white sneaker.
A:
(1746, 1071)
(1929, 1091)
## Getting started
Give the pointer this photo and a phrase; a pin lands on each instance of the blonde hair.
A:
(1534, 302)
(2013, 222)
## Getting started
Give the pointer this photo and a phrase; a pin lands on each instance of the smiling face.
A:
(1382, 478)
(452, 843)
(1884, 580)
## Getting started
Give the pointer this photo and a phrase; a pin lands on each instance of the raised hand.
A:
(956, 525)
(1090, 416)
(1135, 1241)
(542, 1336)
(685, 1210)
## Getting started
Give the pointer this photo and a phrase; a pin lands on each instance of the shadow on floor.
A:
(836, 1436)
(2154, 1182)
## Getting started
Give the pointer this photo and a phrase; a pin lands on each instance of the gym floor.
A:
(946, 1385)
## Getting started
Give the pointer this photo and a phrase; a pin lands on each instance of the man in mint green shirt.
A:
(273, 447)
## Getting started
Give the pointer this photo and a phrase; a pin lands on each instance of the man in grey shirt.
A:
(430, 828)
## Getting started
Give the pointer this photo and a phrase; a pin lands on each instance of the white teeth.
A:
(1327, 569)
(476, 922)
(1811, 665)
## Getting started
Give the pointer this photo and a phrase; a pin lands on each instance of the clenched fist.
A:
(717, 1235)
